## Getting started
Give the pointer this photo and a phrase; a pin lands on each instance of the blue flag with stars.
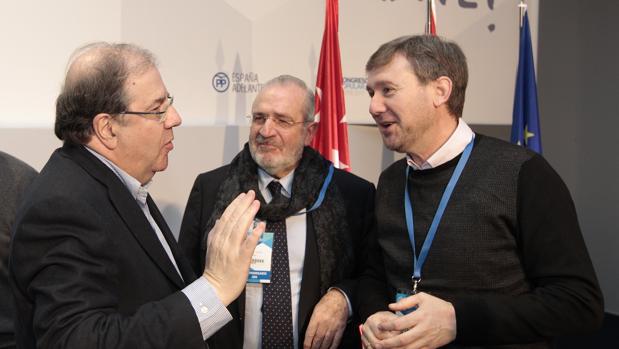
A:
(525, 125)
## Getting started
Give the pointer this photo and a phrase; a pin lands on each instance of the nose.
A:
(173, 118)
(268, 128)
(377, 105)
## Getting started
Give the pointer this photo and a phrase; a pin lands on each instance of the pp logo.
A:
(221, 82)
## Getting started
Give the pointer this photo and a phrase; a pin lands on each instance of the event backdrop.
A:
(215, 55)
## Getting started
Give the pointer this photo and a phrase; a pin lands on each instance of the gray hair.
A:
(308, 105)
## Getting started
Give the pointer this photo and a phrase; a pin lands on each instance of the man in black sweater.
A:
(477, 238)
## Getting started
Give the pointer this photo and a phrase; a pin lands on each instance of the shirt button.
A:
(203, 308)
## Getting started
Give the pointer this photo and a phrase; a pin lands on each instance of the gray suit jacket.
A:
(15, 176)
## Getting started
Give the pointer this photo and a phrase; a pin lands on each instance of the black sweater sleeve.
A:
(372, 292)
(565, 297)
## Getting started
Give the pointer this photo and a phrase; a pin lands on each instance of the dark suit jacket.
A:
(87, 269)
(358, 195)
(15, 177)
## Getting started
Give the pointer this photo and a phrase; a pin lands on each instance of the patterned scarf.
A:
(332, 236)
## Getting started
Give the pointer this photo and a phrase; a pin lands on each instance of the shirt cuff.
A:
(346, 297)
(211, 312)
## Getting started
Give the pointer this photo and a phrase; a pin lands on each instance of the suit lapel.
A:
(183, 265)
(127, 209)
(310, 282)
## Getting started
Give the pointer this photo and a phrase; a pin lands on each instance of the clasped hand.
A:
(432, 325)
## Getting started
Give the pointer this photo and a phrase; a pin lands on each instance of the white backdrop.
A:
(250, 42)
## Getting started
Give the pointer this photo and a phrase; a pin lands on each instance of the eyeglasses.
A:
(279, 121)
(160, 114)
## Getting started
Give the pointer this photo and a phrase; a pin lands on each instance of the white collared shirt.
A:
(452, 148)
(296, 236)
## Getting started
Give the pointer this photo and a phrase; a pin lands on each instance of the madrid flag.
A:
(331, 138)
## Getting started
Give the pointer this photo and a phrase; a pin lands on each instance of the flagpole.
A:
(428, 16)
(430, 27)
(523, 9)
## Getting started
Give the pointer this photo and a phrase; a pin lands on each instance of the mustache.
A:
(261, 140)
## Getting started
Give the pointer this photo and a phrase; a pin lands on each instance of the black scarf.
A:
(331, 228)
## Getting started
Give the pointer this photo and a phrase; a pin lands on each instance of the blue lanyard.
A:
(418, 262)
(321, 196)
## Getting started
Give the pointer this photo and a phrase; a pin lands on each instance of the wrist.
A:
(220, 291)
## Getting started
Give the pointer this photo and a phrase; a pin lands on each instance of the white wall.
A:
(37, 38)
(196, 39)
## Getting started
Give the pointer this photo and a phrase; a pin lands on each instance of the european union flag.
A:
(525, 125)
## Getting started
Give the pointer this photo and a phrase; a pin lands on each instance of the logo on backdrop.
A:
(221, 82)
(245, 82)
(241, 82)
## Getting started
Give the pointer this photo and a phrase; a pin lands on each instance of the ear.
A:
(103, 126)
(442, 90)
(310, 132)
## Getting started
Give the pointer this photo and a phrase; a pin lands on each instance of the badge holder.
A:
(260, 266)
(402, 293)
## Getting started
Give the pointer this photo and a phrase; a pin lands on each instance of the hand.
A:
(328, 321)
(432, 325)
(372, 334)
(229, 248)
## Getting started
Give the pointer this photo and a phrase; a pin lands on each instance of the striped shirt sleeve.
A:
(211, 312)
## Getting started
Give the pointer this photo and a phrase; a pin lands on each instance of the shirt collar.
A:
(453, 147)
(264, 179)
(137, 190)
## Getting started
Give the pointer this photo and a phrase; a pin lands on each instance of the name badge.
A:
(401, 294)
(260, 267)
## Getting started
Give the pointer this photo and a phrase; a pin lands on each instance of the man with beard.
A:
(319, 219)
(478, 238)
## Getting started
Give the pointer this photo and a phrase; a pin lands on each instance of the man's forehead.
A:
(281, 97)
(286, 88)
(389, 73)
(146, 84)
(377, 79)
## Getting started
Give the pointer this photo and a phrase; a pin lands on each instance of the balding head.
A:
(94, 84)
(308, 102)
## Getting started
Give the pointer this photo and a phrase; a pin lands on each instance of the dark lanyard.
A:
(408, 207)
(322, 194)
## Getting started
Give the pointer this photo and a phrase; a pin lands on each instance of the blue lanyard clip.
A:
(416, 282)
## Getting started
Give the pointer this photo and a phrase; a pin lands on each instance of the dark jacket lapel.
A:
(310, 282)
(183, 265)
(127, 208)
